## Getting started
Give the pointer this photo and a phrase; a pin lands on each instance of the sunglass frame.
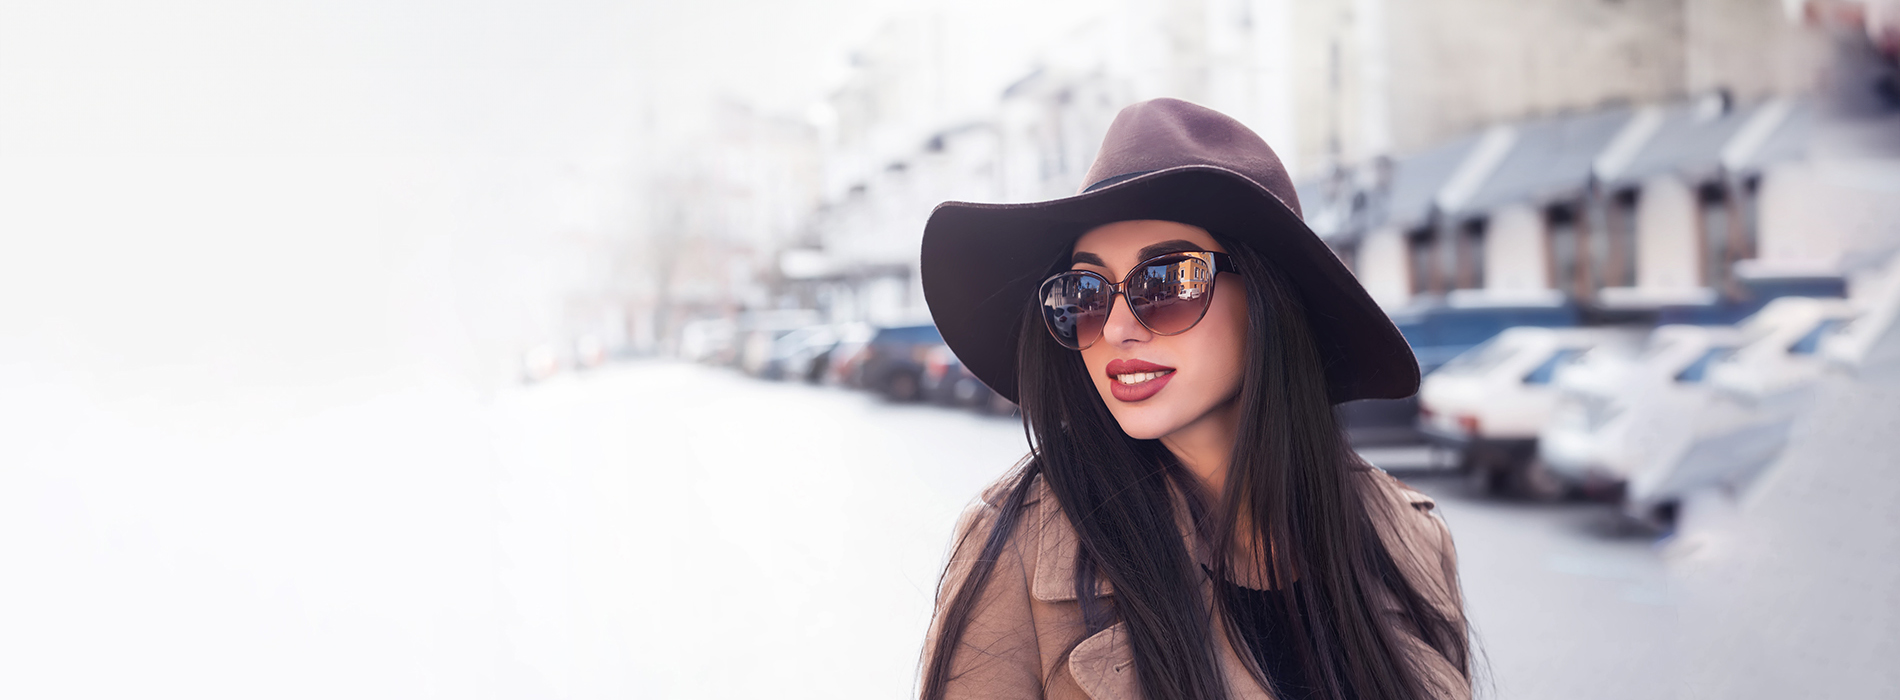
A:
(1216, 262)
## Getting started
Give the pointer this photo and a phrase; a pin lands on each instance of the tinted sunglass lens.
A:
(1170, 297)
(1071, 308)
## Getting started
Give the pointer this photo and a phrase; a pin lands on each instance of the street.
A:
(739, 538)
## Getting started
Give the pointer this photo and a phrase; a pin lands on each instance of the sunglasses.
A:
(1168, 294)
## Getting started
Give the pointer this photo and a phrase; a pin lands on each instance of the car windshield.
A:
(908, 334)
(1481, 358)
(1812, 341)
(1545, 371)
(1696, 371)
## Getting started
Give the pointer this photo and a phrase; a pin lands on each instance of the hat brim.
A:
(982, 263)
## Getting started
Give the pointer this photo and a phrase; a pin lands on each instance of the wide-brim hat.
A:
(1175, 161)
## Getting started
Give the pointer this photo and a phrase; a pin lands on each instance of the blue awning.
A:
(1688, 141)
(1548, 159)
(1416, 180)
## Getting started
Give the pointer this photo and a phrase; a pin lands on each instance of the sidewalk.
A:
(1793, 588)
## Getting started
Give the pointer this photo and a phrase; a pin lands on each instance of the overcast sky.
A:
(209, 196)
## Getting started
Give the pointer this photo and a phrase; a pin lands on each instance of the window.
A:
(1713, 215)
(1565, 239)
(1750, 213)
(1481, 358)
(909, 334)
(1614, 252)
(1471, 255)
(1544, 372)
(1418, 247)
(1812, 341)
(1699, 369)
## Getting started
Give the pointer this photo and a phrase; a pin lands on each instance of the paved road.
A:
(1792, 587)
(652, 530)
(1565, 600)
(800, 528)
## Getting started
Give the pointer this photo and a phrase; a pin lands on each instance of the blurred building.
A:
(1639, 207)
(1698, 205)
(1634, 157)
(724, 206)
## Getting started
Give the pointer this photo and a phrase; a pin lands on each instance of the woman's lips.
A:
(1135, 380)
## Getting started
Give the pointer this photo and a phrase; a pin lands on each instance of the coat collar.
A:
(1103, 664)
(1057, 545)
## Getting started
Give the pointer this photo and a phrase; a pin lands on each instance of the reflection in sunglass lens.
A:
(1170, 296)
(1073, 306)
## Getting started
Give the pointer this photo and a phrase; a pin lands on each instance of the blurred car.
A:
(1756, 392)
(948, 382)
(1490, 402)
(892, 361)
(540, 362)
(1878, 298)
(1438, 332)
(1614, 413)
(760, 330)
(708, 340)
(842, 360)
(805, 354)
(795, 347)
(589, 352)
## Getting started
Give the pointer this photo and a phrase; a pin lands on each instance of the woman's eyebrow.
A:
(1086, 258)
(1174, 246)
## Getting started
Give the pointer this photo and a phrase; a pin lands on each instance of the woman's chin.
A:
(1146, 423)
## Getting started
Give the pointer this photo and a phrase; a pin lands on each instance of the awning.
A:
(1547, 159)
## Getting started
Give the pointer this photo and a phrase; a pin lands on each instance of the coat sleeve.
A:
(1447, 677)
(1421, 545)
(997, 655)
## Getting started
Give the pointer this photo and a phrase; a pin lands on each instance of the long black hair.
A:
(1292, 480)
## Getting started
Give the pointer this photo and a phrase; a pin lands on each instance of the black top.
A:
(1264, 619)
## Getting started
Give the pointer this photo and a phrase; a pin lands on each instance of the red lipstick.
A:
(1140, 390)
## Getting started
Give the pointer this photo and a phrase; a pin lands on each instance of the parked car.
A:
(790, 354)
(541, 362)
(708, 340)
(892, 362)
(808, 356)
(1438, 332)
(948, 382)
(1614, 414)
(1878, 299)
(1756, 392)
(842, 360)
(759, 330)
(1490, 402)
(589, 352)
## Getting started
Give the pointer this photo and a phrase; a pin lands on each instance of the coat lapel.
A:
(1103, 665)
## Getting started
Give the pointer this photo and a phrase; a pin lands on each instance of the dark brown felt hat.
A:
(1174, 161)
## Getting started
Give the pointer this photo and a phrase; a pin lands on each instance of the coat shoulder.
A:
(1396, 491)
(985, 512)
(996, 654)
(1416, 535)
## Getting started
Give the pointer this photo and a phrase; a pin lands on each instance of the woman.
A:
(1176, 338)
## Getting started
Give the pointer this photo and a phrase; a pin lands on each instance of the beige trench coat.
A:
(1028, 614)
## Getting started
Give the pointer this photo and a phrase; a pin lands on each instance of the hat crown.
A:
(1168, 133)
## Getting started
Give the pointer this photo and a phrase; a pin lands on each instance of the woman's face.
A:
(1196, 374)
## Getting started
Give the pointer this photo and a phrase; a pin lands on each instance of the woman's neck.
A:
(1205, 445)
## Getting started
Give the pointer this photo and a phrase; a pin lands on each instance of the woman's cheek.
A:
(1232, 301)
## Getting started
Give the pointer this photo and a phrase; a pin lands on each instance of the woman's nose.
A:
(1121, 326)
